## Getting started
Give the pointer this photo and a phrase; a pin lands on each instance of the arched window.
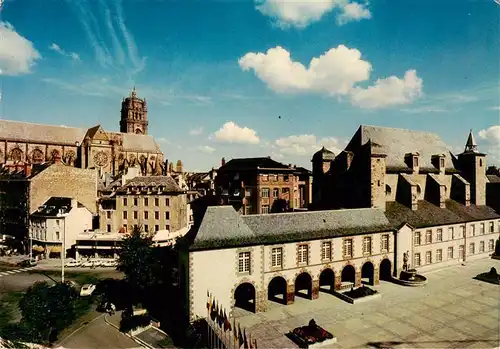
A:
(16, 155)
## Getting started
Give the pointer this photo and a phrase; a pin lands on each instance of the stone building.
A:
(109, 152)
(25, 188)
(393, 192)
(152, 202)
(262, 185)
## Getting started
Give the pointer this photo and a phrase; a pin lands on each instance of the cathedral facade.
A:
(109, 152)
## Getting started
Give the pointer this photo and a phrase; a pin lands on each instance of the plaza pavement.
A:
(452, 311)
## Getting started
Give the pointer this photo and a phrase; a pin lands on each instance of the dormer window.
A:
(441, 162)
(415, 161)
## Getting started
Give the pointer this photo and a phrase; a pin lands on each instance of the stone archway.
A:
(276, 290)
(244, 297)
(327, 280)
(303, 285)
(348, 275)
(385, 270)
(368, 273)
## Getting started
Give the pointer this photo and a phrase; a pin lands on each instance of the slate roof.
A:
(40, 133)
(222, 226)
(493, 178)
(429, 214)
(396, 142)
(323, 154)
(52, 207)
(155, 181)
(253, 164)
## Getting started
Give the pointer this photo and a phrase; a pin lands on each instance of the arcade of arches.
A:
(281, 291)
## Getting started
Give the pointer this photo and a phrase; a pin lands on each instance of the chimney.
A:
(27, 170)
(223, 162)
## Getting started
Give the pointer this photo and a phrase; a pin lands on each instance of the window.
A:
(135, 202)
(428, 257)
(482, 228)
(125, 228)
(265, 192)
(277, 257)
(326, 250)
(146, 228)
(157, 202)
(450, 252)
(108, 228)
(248, 192)
(146, 215)
(428, 237)
(491, 245)
(441, 162)
(439, 235)
(348, 248)
(157, 227)
(276, 192)
(415, 161)
(136, 214)
(367, 245)
(248, 209)
(57, 236)
(302, 254)
(451, 233)
(244, 262)
(416, 260)
(167, 215)
(481, 246)
(472, 230)
(108, 214)
(417, 238)
(265, 178)
(462, 231)
(167, 227)
(124, 201)
(157, 215)
(124, 214)
(265, 209)
(385, 243)
(57, 221)
(492, 227)
(146, 201)
(286, 178)
(167, 202)
(439, 255)
(472, 248)
(461, 252)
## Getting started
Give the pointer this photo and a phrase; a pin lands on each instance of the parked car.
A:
(109, 263)
(28, 263)
(70, 283)
(87, 290)
(73, 264)
(97, 263)
(87, 264)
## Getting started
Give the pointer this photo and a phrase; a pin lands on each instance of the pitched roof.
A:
(53, 206)
(134, 142)
(323, 154)
(222, 226)
(429, 214)
(396, 142)
(167, 182)
(40, 133)
(253, 163)
(493, 178)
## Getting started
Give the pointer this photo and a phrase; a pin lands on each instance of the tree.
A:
(46, 310)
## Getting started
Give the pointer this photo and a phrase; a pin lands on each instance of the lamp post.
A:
(63, 250)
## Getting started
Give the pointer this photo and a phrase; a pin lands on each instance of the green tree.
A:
(46, 310)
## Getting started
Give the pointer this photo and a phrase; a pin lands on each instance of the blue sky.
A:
(256, 78)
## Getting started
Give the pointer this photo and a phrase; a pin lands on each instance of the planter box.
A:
(302, 344)
(356, 300)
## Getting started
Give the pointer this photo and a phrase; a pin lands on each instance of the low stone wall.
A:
(356, 300)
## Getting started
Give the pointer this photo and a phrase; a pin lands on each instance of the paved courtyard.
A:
(452, 311)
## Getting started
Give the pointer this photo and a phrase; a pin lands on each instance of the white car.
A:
(87, 264)
(87, 290)
(73, 264)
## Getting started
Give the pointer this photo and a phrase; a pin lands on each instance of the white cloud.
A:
(196, 131)
(495, 108)
(299, 14)
(353, 12)
(425, 109)
(490, 143)
(334, 73)
(74, 56)
(206, 149)
(162, 140)
(306, 145)
(232, 133)
(388, 92)
(17, 54)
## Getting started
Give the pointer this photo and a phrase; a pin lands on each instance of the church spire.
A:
(470, 146)
(134, 94)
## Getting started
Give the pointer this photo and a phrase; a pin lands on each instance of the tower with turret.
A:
(134, 115)
(472, 164)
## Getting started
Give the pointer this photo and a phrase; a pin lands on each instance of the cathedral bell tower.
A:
(134, 115)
